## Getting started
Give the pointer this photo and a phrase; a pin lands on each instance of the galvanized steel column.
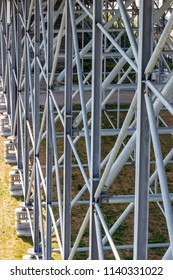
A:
(143, 135)
(4, 46)
(26, 105)
(50, 36)
(36, 124)
(96, 123)
(1, 38)
(67, 132)
(8, 50)
(14, 68)
(19, 58)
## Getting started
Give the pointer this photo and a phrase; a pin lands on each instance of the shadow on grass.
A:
(27, 240)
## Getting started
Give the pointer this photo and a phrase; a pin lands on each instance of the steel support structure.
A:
(143, 136)
(88, 91)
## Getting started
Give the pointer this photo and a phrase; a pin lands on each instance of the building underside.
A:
(86, 106)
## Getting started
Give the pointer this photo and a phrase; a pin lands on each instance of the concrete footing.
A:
(31, 258)
(15, 185)
(9, 152)
(3, 107)
(33, 255)
(23, 218)
(2, 97)
(5, 128)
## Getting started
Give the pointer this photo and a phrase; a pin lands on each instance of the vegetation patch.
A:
(11, 246)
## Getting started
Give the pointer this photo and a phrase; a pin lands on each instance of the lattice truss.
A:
(87, 102)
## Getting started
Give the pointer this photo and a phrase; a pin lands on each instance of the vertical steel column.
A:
(1, 7)
(19, 57)
(4, 34)
(50, 34)
(96, 121)
(26, 106)
(143, 135)
(67, 131)
(36, 123)
(8, 49)
(14, 68)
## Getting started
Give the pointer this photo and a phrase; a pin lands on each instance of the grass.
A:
(11, 246)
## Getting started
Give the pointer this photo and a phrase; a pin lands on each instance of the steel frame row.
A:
(62, 62)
